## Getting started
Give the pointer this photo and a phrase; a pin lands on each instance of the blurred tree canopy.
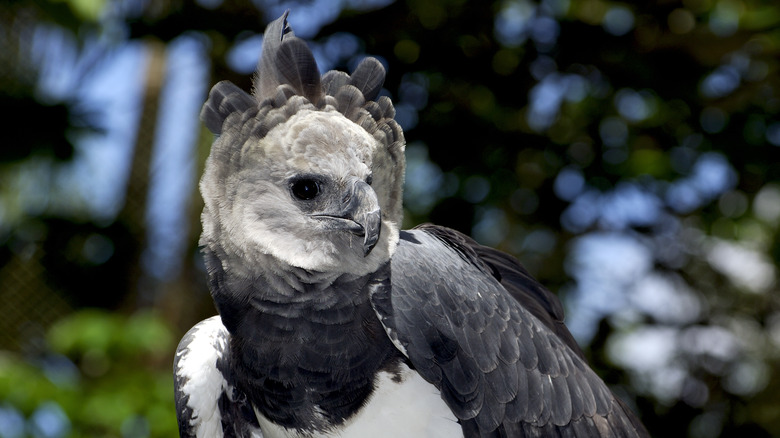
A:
(628, 153)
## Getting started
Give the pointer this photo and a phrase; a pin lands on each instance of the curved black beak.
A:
(358, 212)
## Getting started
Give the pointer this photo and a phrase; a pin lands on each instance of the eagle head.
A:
(307, 172)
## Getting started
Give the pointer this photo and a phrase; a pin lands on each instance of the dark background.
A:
(625, 152)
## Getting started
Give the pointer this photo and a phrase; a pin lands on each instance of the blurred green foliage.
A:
(109, 374)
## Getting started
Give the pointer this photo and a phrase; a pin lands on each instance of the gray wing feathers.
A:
(515, 279)
(500, 369)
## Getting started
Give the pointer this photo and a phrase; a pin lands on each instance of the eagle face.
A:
(305, 176)
(302, 195)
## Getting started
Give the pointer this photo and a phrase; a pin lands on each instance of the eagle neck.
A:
(305, 354)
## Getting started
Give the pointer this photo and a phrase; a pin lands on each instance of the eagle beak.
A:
(363, 207)
(372, 226)
(358, 213)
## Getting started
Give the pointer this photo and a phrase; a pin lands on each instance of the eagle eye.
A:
(305, 189)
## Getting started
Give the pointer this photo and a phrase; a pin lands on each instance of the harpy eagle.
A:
(332, 321)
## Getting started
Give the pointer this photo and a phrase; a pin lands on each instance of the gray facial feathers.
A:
(246, 160)
(287, 81)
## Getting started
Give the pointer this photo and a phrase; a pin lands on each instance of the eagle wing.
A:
(474, 323)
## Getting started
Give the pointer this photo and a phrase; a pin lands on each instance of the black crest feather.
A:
(287, 72)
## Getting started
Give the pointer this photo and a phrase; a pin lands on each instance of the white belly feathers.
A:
(412, 408)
